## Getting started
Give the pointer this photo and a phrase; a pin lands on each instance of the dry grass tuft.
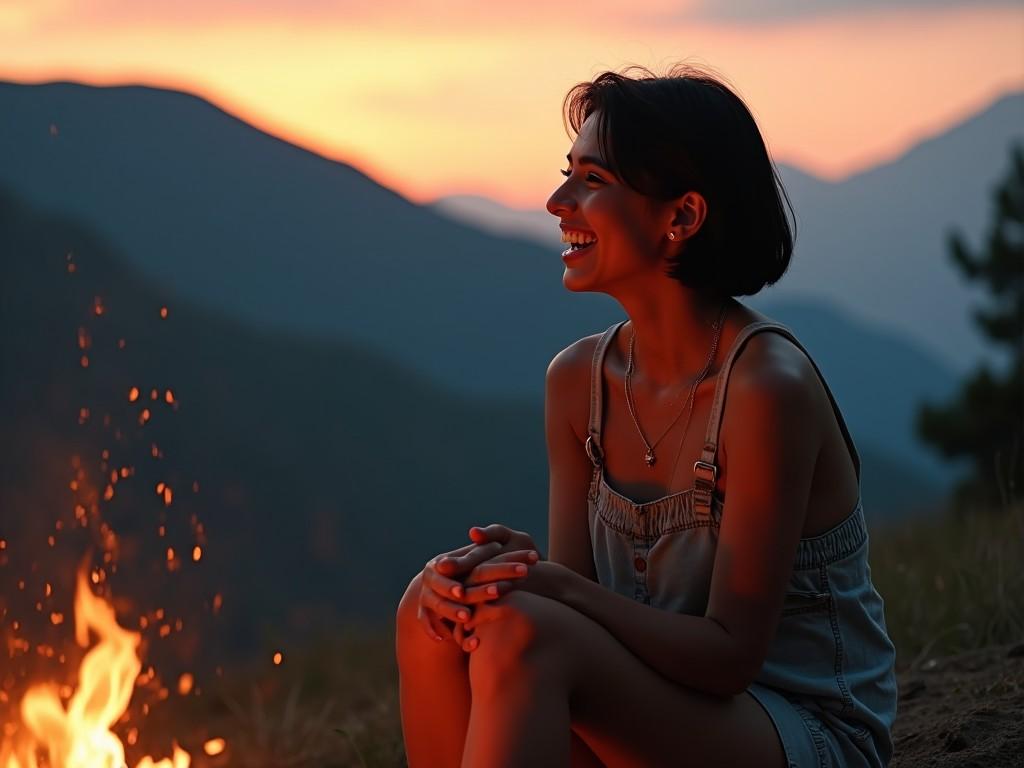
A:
(951, 584)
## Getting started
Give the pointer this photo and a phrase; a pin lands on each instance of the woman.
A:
(719, 615)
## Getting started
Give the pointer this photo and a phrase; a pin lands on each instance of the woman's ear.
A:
(690, 211)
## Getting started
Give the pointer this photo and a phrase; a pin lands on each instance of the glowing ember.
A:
(185, 683)
(79, 735)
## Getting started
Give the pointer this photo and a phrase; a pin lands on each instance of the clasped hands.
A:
(457, 587)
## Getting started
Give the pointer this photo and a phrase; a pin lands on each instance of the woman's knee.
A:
(517, 632)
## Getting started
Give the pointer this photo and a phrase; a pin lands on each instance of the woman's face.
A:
(631, 229)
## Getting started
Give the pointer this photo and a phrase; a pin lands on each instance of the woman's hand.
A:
(508, 538)
(471, 575)
(543, 578)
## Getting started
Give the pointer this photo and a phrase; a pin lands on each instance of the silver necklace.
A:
(649, 457)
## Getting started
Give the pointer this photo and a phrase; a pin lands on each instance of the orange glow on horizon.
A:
(396, 97)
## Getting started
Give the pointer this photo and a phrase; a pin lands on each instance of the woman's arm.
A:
(566, 399)
(771, 462)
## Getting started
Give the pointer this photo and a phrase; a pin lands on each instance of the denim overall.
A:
(828, 681)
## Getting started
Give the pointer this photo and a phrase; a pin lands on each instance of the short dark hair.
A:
(665, 136)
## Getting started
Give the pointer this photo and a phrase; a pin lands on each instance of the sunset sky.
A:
(465, 97)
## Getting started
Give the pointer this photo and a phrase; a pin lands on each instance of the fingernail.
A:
(533, 556)
(457, 591)
(463, 616)
(520, 570)
(492, 591)
(472, 643)
(438, 637)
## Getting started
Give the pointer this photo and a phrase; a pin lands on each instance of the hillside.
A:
(282, 240)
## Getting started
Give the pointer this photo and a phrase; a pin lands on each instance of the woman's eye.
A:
(592, 177)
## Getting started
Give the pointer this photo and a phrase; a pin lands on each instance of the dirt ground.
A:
(965, 711)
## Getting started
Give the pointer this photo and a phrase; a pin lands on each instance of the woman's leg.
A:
(542, 665)
(433, 690)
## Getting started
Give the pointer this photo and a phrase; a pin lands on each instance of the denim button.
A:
(640, 563)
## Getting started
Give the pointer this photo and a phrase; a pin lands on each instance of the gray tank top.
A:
(831, 654)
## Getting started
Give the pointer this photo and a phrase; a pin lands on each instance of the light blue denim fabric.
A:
(828, 682)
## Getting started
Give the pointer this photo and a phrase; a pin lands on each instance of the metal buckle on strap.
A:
(705, 475)
(702, 480)
(593, 451)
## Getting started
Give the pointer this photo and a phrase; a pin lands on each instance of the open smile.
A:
(577, 249)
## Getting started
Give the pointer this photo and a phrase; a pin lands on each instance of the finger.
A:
(448, 609)
(460, 635)
(487, 592)
(485, 612)
(444, 560)
(491, 571)
(479, 553)
(433, 626)
(492, 532)
(442, 585)
(528, 556)
(470, 644)
(467, 562)
(440, 626)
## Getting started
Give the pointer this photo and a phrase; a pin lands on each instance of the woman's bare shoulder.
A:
(568, 382)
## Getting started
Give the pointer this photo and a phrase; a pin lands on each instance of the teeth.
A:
(577, 238)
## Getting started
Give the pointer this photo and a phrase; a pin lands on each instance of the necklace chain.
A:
(649, 457)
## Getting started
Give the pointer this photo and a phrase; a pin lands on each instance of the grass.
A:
(950, 584)
(333, 705)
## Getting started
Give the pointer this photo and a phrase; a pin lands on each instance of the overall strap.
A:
(593, 444)
(705, 470)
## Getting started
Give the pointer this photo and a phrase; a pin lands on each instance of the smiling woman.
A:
(726, 615)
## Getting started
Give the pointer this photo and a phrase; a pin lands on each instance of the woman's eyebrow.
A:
(589, 160)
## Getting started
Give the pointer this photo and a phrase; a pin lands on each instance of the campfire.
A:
(71, 716)
(77, 734)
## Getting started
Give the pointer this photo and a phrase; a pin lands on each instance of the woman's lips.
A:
(572, 253)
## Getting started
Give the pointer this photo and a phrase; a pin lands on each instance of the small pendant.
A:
(649, 458)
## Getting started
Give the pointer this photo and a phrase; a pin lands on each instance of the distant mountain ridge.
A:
(233, 219)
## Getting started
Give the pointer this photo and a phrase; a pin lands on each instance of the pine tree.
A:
(985, 420)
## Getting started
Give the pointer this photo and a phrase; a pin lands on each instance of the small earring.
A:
(671, 235)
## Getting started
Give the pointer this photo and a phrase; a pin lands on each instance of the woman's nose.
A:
(560, 201)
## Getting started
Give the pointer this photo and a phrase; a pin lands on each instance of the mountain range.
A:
(283, 240)
(317, 476)
(360, 378)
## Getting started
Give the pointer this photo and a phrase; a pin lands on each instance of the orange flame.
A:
(79, 736)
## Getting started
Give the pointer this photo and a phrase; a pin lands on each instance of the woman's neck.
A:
(673, 335)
